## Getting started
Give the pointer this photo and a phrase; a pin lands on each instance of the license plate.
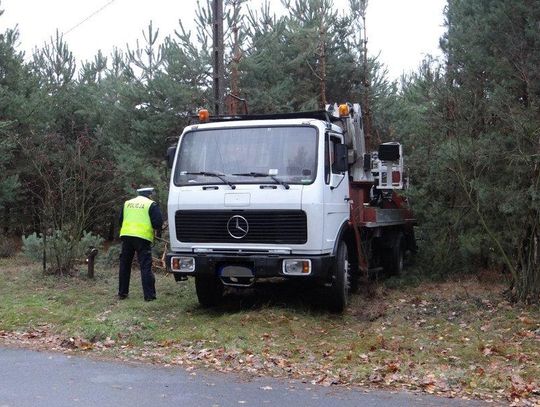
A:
(236, 271)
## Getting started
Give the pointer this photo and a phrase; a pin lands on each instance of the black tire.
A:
(395, 258)
(339, 291)
(354, 275)
(209, 290)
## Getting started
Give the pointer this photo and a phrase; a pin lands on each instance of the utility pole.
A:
(236, 56)
(217, 8)
(367, 113)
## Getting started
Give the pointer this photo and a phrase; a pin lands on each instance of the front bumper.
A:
(261, 266)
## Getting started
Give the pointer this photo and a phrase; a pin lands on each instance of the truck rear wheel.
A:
(339, 291)
(209, 290)
(395, 258)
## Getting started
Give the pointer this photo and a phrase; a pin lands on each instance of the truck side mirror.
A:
(340, 158)
(171, 152)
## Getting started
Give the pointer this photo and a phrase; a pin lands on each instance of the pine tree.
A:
(11, 98)
(493, 51)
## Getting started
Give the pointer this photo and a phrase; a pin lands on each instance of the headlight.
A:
(183, 264)
(297, 267)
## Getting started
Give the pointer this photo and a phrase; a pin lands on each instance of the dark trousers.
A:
(130, 246)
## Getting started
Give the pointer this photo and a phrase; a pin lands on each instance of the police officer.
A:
(139, 218)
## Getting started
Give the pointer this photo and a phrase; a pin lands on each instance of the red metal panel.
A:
(359, 194)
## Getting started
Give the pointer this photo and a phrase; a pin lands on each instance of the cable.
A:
(89, 17)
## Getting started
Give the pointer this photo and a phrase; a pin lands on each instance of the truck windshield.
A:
(285, 154)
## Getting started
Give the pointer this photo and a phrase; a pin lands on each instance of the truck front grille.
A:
(241, 226)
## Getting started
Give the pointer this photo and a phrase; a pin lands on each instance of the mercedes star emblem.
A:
(238, 227)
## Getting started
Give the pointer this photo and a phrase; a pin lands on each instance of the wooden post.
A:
(91, 253)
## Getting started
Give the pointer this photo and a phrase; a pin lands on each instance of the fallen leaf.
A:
(527, 321)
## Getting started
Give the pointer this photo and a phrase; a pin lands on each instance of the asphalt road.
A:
(30, 378)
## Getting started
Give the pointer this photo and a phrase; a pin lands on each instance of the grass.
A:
(459, 338)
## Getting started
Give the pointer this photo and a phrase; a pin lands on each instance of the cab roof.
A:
(281, 119)
(315, 114)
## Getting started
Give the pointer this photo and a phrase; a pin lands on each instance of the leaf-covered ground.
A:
(457, 339)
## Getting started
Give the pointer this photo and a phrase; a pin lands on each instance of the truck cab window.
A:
(330, 141)
(248, 155)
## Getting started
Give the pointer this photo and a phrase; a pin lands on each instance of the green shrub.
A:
(62, 250)
(88, 240)
(32, 247)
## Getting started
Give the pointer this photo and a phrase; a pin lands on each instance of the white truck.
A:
(291, 195)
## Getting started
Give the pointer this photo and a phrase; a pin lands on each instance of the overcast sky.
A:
(402, 31)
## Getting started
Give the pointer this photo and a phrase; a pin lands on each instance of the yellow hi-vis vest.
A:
(136, 220)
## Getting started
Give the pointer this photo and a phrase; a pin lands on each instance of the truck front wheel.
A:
(339, 290)
(209, 290)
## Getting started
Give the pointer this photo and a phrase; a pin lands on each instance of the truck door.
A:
(336, 193)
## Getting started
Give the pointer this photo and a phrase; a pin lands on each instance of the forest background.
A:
(77, 138)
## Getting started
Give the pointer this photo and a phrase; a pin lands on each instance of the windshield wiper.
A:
(262, 174)
(212, 174)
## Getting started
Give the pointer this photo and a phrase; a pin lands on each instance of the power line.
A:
(89, 17)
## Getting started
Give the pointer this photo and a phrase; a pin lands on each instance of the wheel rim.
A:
(346, 270)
